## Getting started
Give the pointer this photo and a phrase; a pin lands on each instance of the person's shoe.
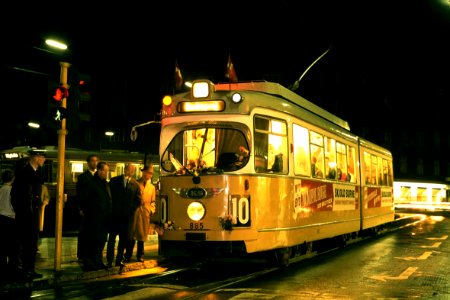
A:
(140, 259)
(127, 260)
(120, 264)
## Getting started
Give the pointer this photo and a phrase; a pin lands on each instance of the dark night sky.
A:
(385, 55)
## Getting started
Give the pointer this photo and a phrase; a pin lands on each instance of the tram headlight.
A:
(202, 88)
(196, 211)
(236, 97)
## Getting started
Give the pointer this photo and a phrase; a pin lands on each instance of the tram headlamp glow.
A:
(196, 211)
(202, 88)
(236, 97)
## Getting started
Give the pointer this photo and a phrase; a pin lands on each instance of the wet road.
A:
(409, 263)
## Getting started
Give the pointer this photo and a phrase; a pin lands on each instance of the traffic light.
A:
(57, 93)
(60, 93)
(84, 97)
(59, 113)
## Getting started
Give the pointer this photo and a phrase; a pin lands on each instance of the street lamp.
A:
(33, 124)
(56, 44)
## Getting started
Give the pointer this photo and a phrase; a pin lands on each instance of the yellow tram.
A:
(252, 167)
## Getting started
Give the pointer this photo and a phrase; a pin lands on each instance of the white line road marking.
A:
(425, 255)
(444, 237)
(405, 275)
(435, 245)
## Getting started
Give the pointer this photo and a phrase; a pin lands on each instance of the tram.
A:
(254, 168)
(421, 195)
(74, 164)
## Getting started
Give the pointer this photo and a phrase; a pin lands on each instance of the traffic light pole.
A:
(60, 197)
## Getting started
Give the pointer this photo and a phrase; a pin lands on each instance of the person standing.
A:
(140, 224)
(83, 178)
(126, 197)
(26, 200)
(97, 217)
(8, 250)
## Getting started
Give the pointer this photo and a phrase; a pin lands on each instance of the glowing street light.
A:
(56, 44)
(33, 125)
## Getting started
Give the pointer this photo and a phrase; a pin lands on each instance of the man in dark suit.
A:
(83, 178)
(97, 217)
(26, 201)
(126, 197)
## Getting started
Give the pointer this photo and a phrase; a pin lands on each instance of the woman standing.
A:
(140, 223)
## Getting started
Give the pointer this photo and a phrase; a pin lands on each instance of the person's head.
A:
(7, 176)
(129, 170)
(37, 157)
(103, 170)
(147, 172)
(92, 161)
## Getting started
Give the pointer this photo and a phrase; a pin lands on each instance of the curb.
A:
(56, 278)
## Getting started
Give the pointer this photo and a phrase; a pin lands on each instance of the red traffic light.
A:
(61, 93)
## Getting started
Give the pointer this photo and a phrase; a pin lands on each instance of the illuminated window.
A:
(317, 154)
(301, 150)
(271, 144)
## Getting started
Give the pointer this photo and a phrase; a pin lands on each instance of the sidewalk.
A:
(71, 270)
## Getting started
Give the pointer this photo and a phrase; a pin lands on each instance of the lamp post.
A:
(60, 197)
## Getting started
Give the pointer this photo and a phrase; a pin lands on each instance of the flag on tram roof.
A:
(230, 73)
(178, 77)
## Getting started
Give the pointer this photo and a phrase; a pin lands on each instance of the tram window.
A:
(202, 148)
(76, 169)
(374, 169)
(351, 163)
(422, 194)
(270, 145)
(201, 144)
(389, 174)
(405, 194)
(261, 152)
(301, 150)
(262, 124)
(436, 195)
(50, 171)
(330, 158)
(317, 159)
(341, 161)
(366, 168)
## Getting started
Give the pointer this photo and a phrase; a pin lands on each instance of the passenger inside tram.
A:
(315, 168)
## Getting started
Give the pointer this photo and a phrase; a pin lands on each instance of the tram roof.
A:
(278, 90)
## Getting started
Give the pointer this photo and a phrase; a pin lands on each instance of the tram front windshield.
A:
(206, 149)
